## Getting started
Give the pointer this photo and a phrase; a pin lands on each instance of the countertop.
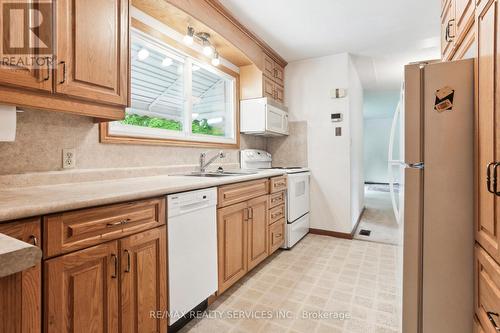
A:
(23, 202)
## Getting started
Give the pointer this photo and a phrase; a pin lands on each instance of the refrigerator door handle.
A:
(418, 165)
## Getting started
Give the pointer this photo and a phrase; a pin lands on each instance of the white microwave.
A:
(262, 116)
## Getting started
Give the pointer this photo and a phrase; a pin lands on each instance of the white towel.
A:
(8, 118)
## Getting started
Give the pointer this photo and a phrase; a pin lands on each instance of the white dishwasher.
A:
(192, 250)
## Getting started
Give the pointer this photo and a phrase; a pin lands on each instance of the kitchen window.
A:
(176, 97)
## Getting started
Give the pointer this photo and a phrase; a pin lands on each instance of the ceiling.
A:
(382, 36)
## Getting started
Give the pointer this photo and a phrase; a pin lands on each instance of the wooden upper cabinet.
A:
(21, 293)
(273, 70)
(268, 66)
(92, 49)
(144, 281)
(488, 148)
(81, 291)
(232, 245)
(257, 231)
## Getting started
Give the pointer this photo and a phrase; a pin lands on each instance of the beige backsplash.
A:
(41, 136)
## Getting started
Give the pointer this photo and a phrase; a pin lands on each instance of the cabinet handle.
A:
(273, 200)
(245, 214)
(115, 259)
(492, 321)
(63, 63)
(278, 235)
(127, 269)
(448, 37)
(34, 240)
(122, 222)
(495, 179)
(250, 213)
(488, 177)
(48, 70)
(276, 215)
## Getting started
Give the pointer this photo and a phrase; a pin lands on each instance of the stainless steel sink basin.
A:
(220, 174)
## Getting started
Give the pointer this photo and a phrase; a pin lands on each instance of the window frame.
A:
(126, 134)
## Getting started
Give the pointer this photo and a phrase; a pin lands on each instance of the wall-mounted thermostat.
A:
(336, 117)
(338, 93)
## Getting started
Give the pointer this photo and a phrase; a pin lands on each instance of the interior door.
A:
(92, 49)
(81, 291)
(23, 72)
(232, 245)
(144, 281)
(257, 231)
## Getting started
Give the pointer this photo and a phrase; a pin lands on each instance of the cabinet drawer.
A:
(487, 289)
(69, 231)
(276, 199)
(276, 213)
(235, 193)
(276, 235)
(278, 184)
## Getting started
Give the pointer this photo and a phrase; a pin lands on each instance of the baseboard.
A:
(337, 234)
(330, 233)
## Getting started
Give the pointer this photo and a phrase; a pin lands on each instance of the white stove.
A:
(297, 201)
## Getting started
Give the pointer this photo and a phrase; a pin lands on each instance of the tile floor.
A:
(354, 285)
(379, 218)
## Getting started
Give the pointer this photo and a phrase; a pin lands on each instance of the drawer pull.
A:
(118, 223)
(492, 321)
(127, 270)
(273, 200)
(278, 235)
(115, 263)
(276, 215)
(34, 240)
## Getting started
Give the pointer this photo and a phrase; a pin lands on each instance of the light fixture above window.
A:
(209, 49)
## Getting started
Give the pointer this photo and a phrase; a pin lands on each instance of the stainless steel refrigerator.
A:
(437, 209)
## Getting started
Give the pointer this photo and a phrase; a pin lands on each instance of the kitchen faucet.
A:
(204, 165)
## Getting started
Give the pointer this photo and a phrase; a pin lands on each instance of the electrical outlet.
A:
(69, 158)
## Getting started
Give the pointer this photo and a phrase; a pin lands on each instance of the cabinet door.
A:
(20, 294)
(144, 281)
(269, 66)
(464, 14)
(257, 231)
(279, 74)
(92, 49)
(268, 87)
(447, 30)
(279, 94)
(16, 74)
(232, 244)
(81, 291)
(487, 230)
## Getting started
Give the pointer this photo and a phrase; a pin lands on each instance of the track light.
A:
(189, 38)
(216, 59)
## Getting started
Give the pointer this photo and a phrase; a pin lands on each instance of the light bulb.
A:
(208, 50)
(216, 59)
(189, 38)
(143, 54)
(167, 62)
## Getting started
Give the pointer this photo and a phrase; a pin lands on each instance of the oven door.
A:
(298, 195)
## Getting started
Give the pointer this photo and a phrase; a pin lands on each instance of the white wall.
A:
(308, 86)
(356, 154)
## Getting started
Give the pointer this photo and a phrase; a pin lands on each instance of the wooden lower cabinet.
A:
(257, 231)
(487, 301)
(81, 291)
(21, 293)
(144, 281)
(276, 235)
(85, 289)
(232, 242)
